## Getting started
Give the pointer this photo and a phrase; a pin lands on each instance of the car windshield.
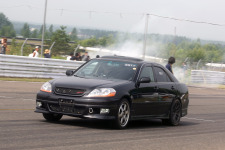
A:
(109, 70)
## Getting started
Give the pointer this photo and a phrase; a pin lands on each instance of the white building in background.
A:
(32, 29)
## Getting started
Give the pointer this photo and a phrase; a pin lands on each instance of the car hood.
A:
(85, 83)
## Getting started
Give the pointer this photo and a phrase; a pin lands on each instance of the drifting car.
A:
(115, 88)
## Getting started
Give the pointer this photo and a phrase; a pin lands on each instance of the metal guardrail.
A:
(208, 77)
(22, 66)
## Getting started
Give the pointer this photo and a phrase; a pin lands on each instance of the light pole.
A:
(198, 64)
(51, 47)
(43, 29)
(75, 50)
(23, 46)
(145, 36)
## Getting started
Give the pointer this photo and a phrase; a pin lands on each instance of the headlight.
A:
(102, 92)
(47, 87)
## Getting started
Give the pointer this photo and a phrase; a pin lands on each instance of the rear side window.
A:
(161, 75)
(147, 72)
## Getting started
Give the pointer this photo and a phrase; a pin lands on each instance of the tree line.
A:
(163, 45)
(6, 27)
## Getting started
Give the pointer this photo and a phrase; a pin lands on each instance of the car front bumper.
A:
(82, 107)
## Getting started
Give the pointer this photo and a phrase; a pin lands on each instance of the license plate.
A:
(66, 102)
(67, 109)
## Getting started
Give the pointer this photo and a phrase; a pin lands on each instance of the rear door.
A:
(166, 90)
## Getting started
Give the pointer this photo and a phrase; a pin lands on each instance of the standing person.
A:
(184, 67)
(73, 57)
(88, 58)
(79, 57)
(3, 46)
(70, 56)
(47, 53)
(171, 61)
(35, 53)
(85, 57)
(31, 54)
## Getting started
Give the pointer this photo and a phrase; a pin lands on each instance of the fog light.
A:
(104, 111)
(38, 104)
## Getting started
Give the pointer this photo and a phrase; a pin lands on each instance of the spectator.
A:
(35, 53)
(47, 53)
(85, 57)
(184, 66)
(171, 61)
(77, 57)
(3, 46)
(88, 58)
(184, 72)
(70, 56)
(73, 58)
(31, 54)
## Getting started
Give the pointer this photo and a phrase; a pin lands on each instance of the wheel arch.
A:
(178, 98)
(175, 98)
(128, 98)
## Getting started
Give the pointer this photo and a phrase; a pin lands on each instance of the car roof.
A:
(122, 58)
(125, 58)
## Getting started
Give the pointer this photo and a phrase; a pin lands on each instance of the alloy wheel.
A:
(176, 112)
(124, 113)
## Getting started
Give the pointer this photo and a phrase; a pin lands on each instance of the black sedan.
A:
(115, 88)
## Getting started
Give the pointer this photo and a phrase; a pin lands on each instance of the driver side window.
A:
(88, 69)
(147, 72)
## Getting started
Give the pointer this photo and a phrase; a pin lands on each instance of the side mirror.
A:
(70, 72)
(144, 80)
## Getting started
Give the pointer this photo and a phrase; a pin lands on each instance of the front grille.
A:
(61, 109)
(68, 91)
(67, 109)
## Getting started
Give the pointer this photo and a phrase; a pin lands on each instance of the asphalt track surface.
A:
(20, 128)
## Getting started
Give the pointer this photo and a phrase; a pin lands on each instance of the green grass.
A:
(24, 79)
(58, 57)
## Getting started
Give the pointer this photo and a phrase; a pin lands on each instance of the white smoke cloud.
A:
(131, 44)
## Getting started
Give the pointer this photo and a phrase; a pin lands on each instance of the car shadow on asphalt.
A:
(107, 125)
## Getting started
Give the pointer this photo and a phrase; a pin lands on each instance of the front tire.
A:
(175, 114)
(52, 117)
(123, 115)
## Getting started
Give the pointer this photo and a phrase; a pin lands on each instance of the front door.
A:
(145, 95)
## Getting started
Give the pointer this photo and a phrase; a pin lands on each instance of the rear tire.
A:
(52, 117)
(175, 114)
(123, 115)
